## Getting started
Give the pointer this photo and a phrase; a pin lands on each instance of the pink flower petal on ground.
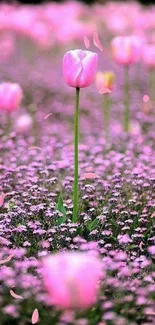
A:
(86, 42)
(14, 295)
(96, 41)
(2, 197)
(141, 246)
(146, 98)
(47, 116)
(32, 148)
(8, 259)
(90, 176)
(35, 316)
(104, 91)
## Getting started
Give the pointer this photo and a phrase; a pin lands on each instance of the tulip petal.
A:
(104, 91)
(86, 42)
(89, 64)
(35, 316)
(96, 41)
(71, 68)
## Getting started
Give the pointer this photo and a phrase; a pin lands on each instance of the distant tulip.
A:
(10, 97)
(126, 49)
(104, 84)
(149, 55)
(72, 279)
(105, 81)
(79, 68)
(24, 123)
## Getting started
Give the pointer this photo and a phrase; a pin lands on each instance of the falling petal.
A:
(32, 148)
(2, 197)
(47, 116)
(96, 41)
(141, 246)
(86, 42)
(6, 260)
(146, 98)
(35, 316)
(14, 295)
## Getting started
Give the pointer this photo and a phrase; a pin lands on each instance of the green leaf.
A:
(60, 207)
(93, 224)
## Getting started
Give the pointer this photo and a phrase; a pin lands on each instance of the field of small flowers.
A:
(77, 164)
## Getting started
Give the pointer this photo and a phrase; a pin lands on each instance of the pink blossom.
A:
(79, 68)
(71, 279)
(127, 49)
(10, 96)
(23, 123)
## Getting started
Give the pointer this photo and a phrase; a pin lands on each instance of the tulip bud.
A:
(72, 279)
(10, 96)
(79, 68)
(105, 81)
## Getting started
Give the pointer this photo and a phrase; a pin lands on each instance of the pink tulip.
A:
(149, 55)
(79, 68)
(10, 96)
(127, 49)
(72, 279)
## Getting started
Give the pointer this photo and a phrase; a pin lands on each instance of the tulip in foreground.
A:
(72, 279)
(79, 68)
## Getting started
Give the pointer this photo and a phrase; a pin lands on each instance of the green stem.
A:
(151, 84)
(8, 123)
(106, 114)
(126, 101)
(76, 141)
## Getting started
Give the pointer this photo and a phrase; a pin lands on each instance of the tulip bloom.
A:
(105, 81)
(104, 84)
(79, 68)
(72, 279)
(127, 49)
(10, 97)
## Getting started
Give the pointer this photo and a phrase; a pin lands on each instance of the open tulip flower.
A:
(79, 69)
(72, 279)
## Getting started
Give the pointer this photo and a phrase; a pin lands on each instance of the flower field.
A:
(77, 164)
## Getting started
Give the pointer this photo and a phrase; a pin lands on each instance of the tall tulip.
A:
(104, 84)
(79, 68)
(126, 50)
